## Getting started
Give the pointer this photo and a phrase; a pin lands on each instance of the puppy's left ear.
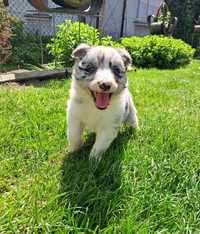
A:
(80, 51)
(126, 57)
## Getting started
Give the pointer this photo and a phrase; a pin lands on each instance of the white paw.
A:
(74, 147)
(95, 155)
(135, 126)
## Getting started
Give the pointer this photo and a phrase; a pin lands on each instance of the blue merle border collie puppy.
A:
(99, 97)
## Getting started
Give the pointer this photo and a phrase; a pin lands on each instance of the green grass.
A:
(147, 182)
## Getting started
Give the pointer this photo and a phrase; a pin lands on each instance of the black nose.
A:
(105, 86)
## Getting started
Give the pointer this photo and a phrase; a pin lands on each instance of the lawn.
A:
(148, 182)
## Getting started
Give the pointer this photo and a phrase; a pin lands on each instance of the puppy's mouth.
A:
(101, 100)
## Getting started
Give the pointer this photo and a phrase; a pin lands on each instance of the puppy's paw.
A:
(135, 126)
(95, 155)
(74, 147)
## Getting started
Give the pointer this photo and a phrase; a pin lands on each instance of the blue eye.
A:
(117, 71)
(89, 69)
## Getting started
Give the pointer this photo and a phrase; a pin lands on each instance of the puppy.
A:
(99, 97)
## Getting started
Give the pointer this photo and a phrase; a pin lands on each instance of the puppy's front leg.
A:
(103, 141)
(74, 132)
(132, 117)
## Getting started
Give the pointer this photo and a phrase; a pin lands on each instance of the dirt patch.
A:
(14, 71)
(24, 84)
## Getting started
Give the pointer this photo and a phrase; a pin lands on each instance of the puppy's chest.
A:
(95, 119)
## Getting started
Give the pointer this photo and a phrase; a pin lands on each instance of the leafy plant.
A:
(71, 34)
(5, 34)
(108, 41)
(158, 51)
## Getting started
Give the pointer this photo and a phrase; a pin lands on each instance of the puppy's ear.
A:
(126, 57)
(80, 51)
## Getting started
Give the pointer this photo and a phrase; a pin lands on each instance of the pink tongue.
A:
(102, 100)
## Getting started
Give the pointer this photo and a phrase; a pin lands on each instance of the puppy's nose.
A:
(105, 86)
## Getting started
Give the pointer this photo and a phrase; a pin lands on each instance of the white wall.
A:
(132, 6)
(112, 18)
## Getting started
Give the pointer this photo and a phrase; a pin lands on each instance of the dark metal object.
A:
(73, 3)
(91, 9)
(40, 5)
(154, 26)
(163, 22)
(159, 27)
(123, 18)
(196, 28)
(196, 35)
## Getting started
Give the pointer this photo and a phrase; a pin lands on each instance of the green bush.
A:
(108, 41)
(5, 34)
(149, 51)
(158, 51)
(70, 35)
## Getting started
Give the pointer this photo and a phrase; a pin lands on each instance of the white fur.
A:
(82, 114)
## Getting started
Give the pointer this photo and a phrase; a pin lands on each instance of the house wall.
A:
(112, 18)
(134, 22)
(135, 17)
(130, 17)
(144, 8)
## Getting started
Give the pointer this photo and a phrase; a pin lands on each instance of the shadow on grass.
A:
(95, 198)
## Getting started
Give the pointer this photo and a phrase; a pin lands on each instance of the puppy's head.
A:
(101, 71)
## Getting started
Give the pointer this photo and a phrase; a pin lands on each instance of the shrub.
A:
(158, 51)
(108, 41)
(5, 34)
(71, 34)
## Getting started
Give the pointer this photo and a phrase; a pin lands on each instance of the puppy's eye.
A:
(117, 71)
(89, 69)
